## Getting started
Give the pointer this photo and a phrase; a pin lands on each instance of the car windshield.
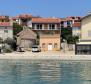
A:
(34, 47)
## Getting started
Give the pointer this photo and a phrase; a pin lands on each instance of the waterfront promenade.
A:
(57, 55)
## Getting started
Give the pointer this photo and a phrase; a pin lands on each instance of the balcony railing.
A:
(45, 28)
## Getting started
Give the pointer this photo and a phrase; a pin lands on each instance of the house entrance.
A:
(49, 46)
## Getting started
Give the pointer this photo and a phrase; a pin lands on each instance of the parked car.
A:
(20, 49)
(36, 48)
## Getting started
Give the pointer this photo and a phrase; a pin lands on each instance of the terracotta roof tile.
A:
(73, 18)
(27, 34)
(77, 24)
(14, 18)
(25, 16)
(22, 16)
(2, 17)
(46, 20)
(5, 24)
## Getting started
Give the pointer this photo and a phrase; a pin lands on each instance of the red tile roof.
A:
(25, 16)
(22, 16)
(73, 18)
(46, 20)
(5, 24)
(27, 34)
(2, 17)
(14, 18)
(76, 24)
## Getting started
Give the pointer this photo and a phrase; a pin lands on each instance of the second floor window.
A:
(39, 26)
(69, 23)
(51, 26)
(5, 31)
(43, 45)
(55, 45)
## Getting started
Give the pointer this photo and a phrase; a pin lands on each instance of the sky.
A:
(45, 8)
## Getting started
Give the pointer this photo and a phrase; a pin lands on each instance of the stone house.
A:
(84, 46)
(6, 30)
(26, 38)
(49, 42)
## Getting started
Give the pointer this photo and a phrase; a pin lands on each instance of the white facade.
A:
(29, 23)
(76, 31)
(6, 32)
(86, 28)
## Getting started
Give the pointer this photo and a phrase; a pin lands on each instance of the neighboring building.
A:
(6, 30)
(76, 29)
(86, 28)
(23, 19)
(50, 42)
(72, 22)
(26, 38)
(4, 18)
(84, 46)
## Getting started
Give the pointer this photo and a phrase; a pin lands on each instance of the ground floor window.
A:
(55, 45)
(43, 45)
(50, 43)
(83, 49)
(50, 46)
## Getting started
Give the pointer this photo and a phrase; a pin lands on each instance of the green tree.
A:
(1, 40)
(72, 39)
(17, 28)
(11, 42)
(65, 33)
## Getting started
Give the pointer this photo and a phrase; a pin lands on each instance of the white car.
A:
(36, 48)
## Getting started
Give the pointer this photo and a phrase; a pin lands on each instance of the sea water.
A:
(45, 72)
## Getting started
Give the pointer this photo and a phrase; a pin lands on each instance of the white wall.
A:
(76, 31)
(85, 27)
(4, 34)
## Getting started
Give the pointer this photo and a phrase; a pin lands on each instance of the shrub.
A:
(7, 50)
(11, 43)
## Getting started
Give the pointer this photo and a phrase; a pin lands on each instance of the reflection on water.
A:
(44, 72)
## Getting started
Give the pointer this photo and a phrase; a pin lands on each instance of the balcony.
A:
(45, 28)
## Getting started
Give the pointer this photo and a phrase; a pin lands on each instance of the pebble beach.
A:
(50, 55)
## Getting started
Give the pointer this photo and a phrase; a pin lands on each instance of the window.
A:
(73, 17)
(33, 26)
(5, 31)
(69, 23)
(39, 26)
(62, 24)
(50, 44)
(65, 24)
(51, 26)
(89, 33)
(55, 45)
(43, 45)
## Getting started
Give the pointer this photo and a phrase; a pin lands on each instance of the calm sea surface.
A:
(45, 72)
